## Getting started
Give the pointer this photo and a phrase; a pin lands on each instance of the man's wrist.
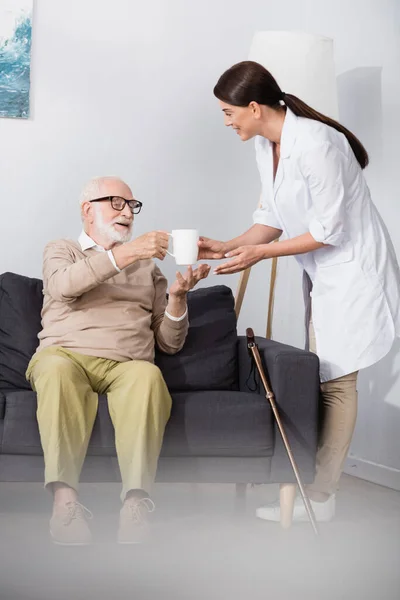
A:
(124, 255)
(177, 305)
(178, 299)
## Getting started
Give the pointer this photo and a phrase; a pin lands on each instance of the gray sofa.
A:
(221, 428)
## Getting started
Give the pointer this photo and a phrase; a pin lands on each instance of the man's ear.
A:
(87, 211)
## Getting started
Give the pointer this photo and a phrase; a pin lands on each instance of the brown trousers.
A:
(339, 413)
(67, 385)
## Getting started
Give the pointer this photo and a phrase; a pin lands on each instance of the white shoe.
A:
(323, 511)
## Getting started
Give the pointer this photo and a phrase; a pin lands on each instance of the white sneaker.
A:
(324, 511)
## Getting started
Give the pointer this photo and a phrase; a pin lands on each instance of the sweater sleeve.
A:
(169, 335)
(65, 279)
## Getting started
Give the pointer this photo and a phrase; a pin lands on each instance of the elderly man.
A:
(105, 307)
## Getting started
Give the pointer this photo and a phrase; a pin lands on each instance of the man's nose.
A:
(126, 212)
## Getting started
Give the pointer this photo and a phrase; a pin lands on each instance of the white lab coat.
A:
(320, 188)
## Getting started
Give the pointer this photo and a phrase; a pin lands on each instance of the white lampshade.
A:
(302, 64)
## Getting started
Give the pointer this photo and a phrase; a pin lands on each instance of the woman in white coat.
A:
(314, 192)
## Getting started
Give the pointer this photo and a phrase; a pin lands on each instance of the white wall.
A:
(125, 87)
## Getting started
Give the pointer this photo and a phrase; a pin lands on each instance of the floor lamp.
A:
(303, 65)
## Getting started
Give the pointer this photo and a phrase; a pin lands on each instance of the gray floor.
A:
(201, 550)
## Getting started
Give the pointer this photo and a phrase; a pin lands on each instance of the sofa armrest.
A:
(294, 378)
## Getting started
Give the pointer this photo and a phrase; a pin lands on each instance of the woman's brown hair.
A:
(249, 81)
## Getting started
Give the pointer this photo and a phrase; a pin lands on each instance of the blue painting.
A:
(15, 57)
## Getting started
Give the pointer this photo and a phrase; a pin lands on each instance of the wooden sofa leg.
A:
(240, 498)
(287, 497)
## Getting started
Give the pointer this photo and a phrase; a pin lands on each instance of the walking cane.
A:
(253, 351)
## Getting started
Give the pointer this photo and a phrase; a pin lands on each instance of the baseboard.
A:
(364, 469)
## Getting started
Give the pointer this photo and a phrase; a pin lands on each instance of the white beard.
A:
(108, 231)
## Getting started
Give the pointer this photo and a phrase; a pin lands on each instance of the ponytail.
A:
(301, 109)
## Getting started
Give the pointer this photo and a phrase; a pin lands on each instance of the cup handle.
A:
(168, 252)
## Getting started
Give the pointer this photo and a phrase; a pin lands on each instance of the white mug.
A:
(186, 248)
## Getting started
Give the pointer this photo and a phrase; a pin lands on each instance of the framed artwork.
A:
(15, 57)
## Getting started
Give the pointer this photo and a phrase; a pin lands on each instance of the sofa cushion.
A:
(208, 360)
(219, 423)
(216, 423)
(21, 301)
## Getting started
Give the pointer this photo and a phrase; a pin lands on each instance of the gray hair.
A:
(91, 190)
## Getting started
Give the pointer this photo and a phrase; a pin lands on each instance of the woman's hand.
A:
(211, 249)
(242, 258)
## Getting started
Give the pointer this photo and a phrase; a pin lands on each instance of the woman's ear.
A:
(255, 109)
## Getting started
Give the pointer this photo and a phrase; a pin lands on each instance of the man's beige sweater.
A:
(91, 308)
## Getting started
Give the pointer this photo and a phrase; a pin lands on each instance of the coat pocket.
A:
(334, 255)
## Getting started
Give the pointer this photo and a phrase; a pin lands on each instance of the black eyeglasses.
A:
(118, 203)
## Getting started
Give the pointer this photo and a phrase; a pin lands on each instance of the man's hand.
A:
(211, 249)
(185, 283)
(150, 245)
(242, 258)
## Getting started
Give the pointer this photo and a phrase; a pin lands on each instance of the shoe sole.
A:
(273, 520)
(58, 543)
(71, 543)
(129, 543)
(304, 519)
